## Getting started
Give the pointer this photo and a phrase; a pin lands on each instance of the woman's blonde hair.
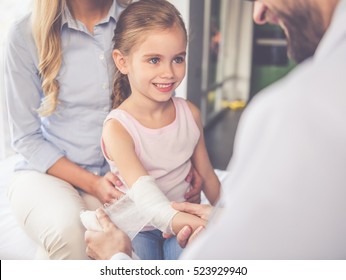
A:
(133, 24)
(46, 27)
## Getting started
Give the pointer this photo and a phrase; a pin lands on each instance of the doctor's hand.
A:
(102, 245)
(200, 210)
(194, 193)
(186, 235)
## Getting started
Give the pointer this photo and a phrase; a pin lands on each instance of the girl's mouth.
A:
(164, 87)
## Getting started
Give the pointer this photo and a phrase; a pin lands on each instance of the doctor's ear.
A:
(120, 61)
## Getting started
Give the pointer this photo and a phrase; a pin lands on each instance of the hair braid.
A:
(121, 89)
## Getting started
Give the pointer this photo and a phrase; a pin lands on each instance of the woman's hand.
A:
(102, 187)
(105, 188)
(194, 193)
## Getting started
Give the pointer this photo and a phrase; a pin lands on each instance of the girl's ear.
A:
(120, 61)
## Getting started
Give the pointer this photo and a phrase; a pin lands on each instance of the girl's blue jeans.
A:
(150, 245)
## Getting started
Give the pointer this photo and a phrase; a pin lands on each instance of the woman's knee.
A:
(64, 241)
(48, 209)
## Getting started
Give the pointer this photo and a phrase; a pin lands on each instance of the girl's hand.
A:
(105, 188)
(194, 193)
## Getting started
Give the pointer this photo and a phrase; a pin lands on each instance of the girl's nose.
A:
(167, 71)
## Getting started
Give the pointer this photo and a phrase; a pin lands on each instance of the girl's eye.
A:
(179, 59)
(154, 60)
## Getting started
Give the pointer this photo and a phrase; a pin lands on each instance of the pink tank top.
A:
(164, 152)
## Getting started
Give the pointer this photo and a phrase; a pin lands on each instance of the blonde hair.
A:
(134, 22)
(46, 25)
(46, 28)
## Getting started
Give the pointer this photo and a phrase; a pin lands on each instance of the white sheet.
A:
(14, 243)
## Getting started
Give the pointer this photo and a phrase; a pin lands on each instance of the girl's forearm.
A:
(182, 219)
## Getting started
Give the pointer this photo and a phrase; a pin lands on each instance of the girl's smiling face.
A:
(156, 65)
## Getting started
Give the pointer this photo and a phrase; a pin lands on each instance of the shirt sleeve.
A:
(121, 256)
(23, 94)
(285, 193)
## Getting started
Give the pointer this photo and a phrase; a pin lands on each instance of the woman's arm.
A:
(102, 187)
(201, 162)
(193, 195)
(23, 93)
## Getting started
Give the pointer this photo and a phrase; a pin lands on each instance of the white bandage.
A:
(152, 203)
(90, 221)
(123, 213)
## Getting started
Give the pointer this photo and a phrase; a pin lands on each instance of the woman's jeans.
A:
(150, 245)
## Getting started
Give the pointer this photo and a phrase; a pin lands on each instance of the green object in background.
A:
(264, 75)
(269, 60)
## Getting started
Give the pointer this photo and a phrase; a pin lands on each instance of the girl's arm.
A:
(201, 162)
(120, 148)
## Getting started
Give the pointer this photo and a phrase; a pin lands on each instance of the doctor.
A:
(285, 196)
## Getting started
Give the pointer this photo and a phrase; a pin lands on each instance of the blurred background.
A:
(230, 59)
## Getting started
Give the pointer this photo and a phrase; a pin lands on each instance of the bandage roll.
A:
(90, 221)
(151, 202)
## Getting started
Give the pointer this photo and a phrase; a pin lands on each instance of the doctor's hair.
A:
(134, 24)
(46, 20)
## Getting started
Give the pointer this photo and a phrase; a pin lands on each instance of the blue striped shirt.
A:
(85, 79)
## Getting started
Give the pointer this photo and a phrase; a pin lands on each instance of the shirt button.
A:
(101, 56)
(104, 86)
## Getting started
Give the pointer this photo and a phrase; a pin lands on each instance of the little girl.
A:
(151, 138)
